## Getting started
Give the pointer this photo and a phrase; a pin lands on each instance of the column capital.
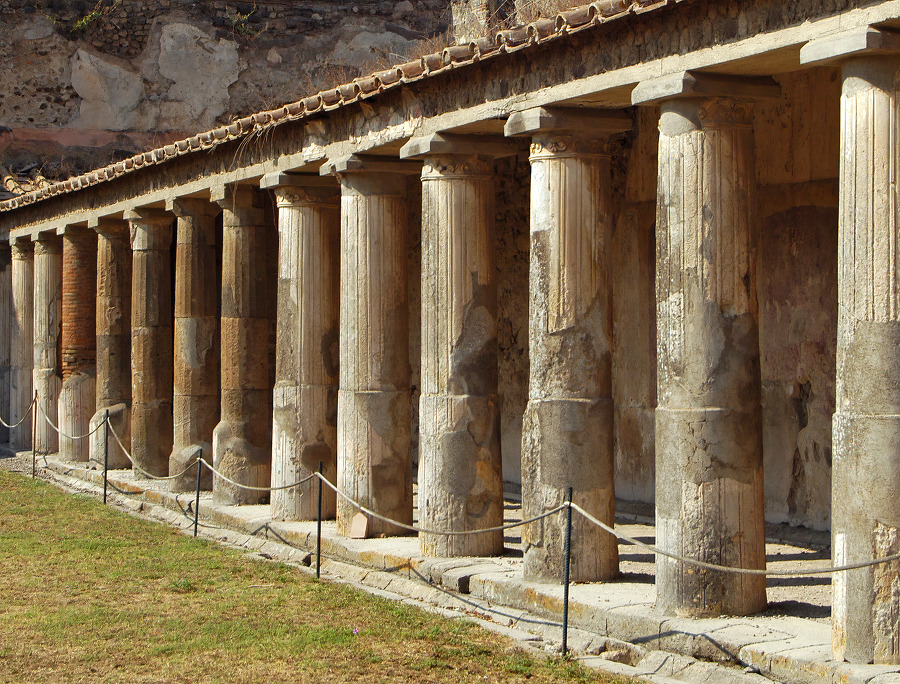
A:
(151, 229)
(301, 189)
(22, 248)
(867, 41)
(449, 143)
(232, 197)
(75, 230)
(47, 243)
(585, 123)
(448, 166)
(109, 227)
(699, 85)
(559, 144)
(186, 207)
(367, 176)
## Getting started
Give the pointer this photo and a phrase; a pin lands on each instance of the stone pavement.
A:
(614, 624)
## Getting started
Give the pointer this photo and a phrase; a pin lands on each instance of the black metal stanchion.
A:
(34, 410)
(197, 496)
(105, 453)
(565, 634)
(319, 529)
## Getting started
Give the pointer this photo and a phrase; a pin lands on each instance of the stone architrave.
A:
(241, 440)
(47, 328)
(6, 314)
(151, 340)
(195, 401)
(374, 458)
(77, 398)
(304, 425)
(460, 471)
(113, 339)
(21, 342)
(709, 491)
(865, 476)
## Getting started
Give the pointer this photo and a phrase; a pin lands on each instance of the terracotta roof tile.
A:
(543, 30)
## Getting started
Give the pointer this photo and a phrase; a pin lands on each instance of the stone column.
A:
(7, 313)
(241, 440)
(460, 472)
(195, 401)
(709, 477)
(304, 426)
(21, 342)
(47, 328)
(568, 427)
(374, 414)
(865, 476)
(151, 340)
(77, 397)
(113, 339)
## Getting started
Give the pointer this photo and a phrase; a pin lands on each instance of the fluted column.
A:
(709, 495)
(241, 440)
(21, 342)
(47, 329)
(865, 517)
(568, 425)
(195, 401)
(113, 334)
(460, 478)
(77, 396)
(304, 426)
(7, 315)
(151, 340)
(374, 452)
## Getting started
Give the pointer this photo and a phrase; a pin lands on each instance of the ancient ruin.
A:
(646, 250)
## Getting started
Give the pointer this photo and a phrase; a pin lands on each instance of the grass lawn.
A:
(88, 593)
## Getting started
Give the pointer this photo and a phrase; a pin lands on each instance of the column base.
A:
(709, 507)
(76, 405)
(151, 438)
(460, 474)
(239, 460)
(186, 456)
(375, 459)
(120, 421)
(568, 443)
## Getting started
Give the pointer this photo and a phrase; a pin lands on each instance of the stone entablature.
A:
(660, 150)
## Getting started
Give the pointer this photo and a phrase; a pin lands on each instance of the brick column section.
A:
(374, 410)
(113, 339)
(241, 440)
(79, 341)
(151, 340)
(21, 342)
(709, 472)
(567, 437)
(47, 328)
(6, 314)
(196, 388)
(304, 426)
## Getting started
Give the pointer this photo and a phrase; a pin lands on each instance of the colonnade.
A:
(340, 394)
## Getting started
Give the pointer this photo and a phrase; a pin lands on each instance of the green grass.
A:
(90, 594)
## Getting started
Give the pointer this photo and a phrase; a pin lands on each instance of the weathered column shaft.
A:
(241, 440)
(113, 335)
(47, 319)
(374, 413)
(709, 492)
(865, 517)
(460, 479)
(195, 401)
(304, 428)
(21, 342)
(568, 425)
(151, 342)
(77, 397)
(7, 315)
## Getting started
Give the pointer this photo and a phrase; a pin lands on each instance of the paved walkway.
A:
(788, 642)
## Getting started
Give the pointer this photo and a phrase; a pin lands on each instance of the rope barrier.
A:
(726, 568)
(259, 489)
(369, 511)
(136, 467)
(63, 434)
(27, 413)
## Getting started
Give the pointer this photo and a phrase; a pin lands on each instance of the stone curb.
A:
(780, 648)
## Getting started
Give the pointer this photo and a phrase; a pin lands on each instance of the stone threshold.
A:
(784, 649)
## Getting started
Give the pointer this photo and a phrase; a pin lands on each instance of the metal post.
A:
(565, 634)
(105, 453)
(197, 497)
(34, 409)
(319, 528)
